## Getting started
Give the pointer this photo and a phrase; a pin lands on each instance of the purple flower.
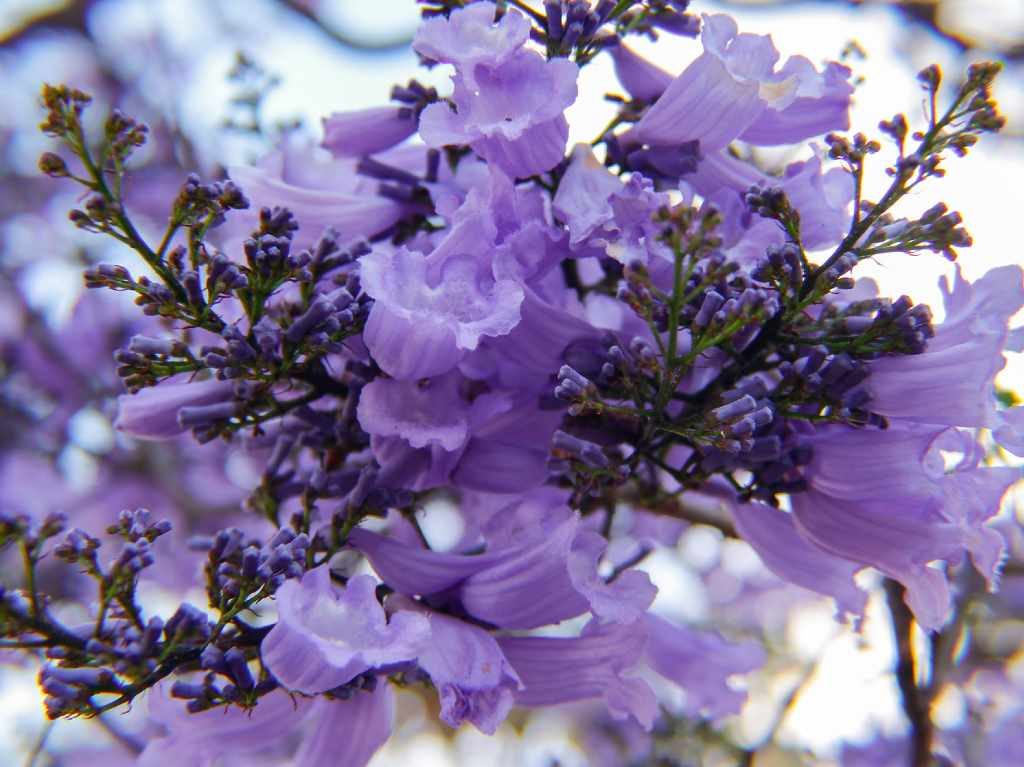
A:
(733, 90)
(325, 637)
(152, 413)
(423, 413)
(514, 117)
(881, 498)
(972, 495)
(426, 316)
(600, 663)
(544, 572)
(367, 131)
(470, 37)
(320, 194)
(701, 663)
(474, 681)
(602, 212)
(203, 738)
(349, 731)
(582, 199)
(508, 448)
(641, 79)
(823, 200)
(508, 101)
(412, 570)
(430, 432)
(333, 731)
(622, 600)
(951, 382)
(774, 536)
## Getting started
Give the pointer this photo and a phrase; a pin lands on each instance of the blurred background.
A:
(226, 81)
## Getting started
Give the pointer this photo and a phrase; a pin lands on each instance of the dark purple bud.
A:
(187, 690)
(735, 409)
(765, 449)
(712, 301)
(317, 312)
(553, 14)
(582, 450)
(239, 669)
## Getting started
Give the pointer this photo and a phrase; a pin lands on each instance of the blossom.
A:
(367, 131)
(538, 568)
(508, 101)
(701, 663)
(424, 321)
(349, 731)
(324, 638)
(321, 193)
(154, 412)
(580, 356)
(951, 382)
(611, 217)
(600, 663)
(641, 79)
(881, 498)
(474, 680)
(200, 739)
(775, 537)
(734, 91)
(470, 37)
(424, 412)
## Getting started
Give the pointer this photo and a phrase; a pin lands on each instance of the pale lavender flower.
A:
(474, 681)
(774, 536)
(733, 90)
(601, 663)
(544, 573)
(326, 636)
(881, 498)
(514, 119)
(153, 412)
(332, 731)
(641, 79)
(348, 731)
(611, 217)
(951, 382)
(508, 100)
(701, 663)
(426, 317)
(203, 738)
(470, 37)
(321, 193)
(426, 412)
(367, 131)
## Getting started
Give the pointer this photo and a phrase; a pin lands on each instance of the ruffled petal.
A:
(474, 681)
(324, 638)
(424, 412)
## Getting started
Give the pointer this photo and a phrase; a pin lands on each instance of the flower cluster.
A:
(461, 307)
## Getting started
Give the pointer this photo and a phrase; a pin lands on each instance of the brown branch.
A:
(916, 700)
(340, 36)
(70, 17)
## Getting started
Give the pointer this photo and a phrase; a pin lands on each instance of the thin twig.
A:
(916, 700)
(39, 745)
